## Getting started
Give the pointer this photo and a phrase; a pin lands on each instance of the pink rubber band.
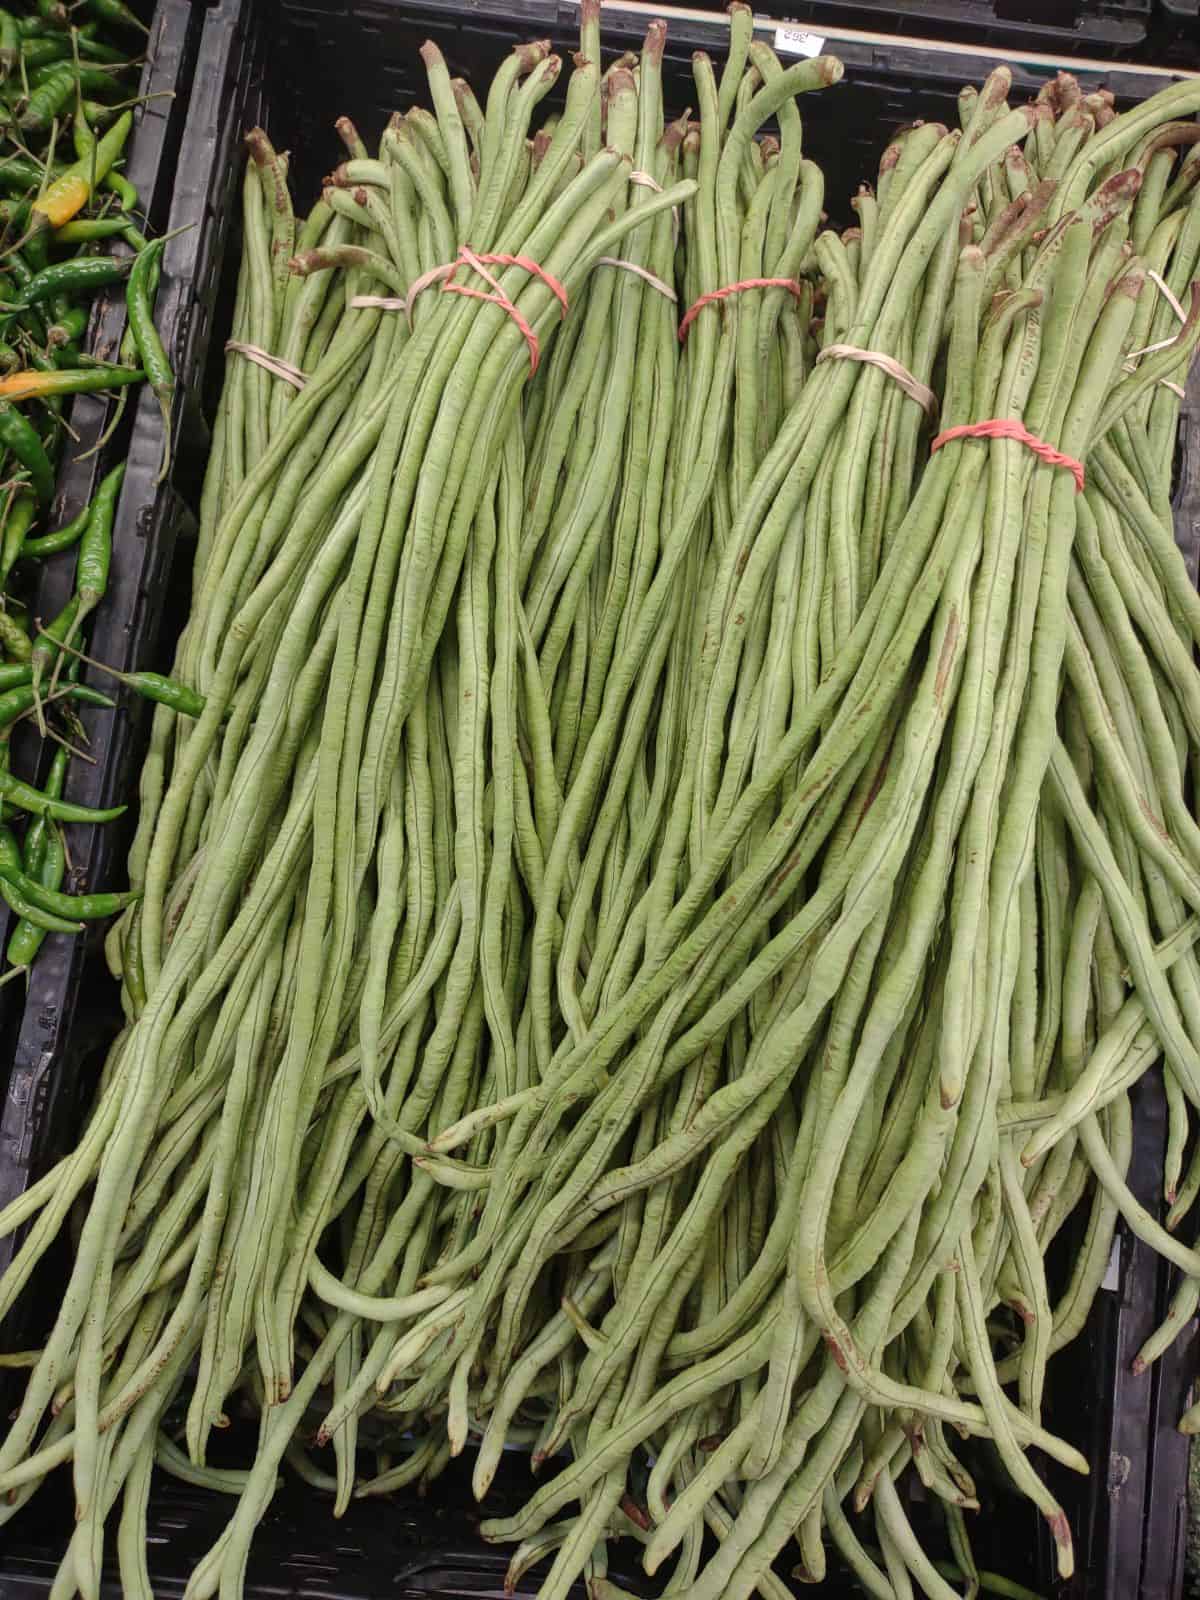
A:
(468, 258)
(1009, 428)
(714, 295)
(551, 282)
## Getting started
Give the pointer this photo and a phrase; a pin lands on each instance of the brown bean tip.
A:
(531, 54)
(998, 86)
(655, 41)
(259, 146)
(674, 132)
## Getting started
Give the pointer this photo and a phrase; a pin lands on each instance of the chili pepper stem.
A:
(58, 738)
(73, 650)
(88, 601)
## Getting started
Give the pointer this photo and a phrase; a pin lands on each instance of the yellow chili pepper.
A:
(72, 189)
(37, 385)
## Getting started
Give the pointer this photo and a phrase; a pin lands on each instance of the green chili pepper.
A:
(114, 181)
(17, 701)
(10, 852)
(95, 548)
(28, 317)
(54, 12)
(26, 938)
(27, 912)
(155, 686)
(14, 641)
(14, 214)
(36, 52)
(44, 858)
(20, 436)
(97, 113)
(10, 359)
(180, 697)
(97, 50)
(86, 229)
(49, 544)
(49, 100)
(66, 330)
(82, 136)
(128, 350)
(13, 674)
(13, 887)
(39, 804)
(116, 12)
(20, 514)
(37, 835)
(125, 192)
(90, 79)
(83, 275)
(10, 42)
(19, 173)
(150, 349)
(85, 907)
(46, 649)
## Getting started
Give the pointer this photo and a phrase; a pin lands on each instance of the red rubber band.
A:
(1009, 428)
(714, 295)
(550, 281)
(468, 258)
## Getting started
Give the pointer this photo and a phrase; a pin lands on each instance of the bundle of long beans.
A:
(678, 865)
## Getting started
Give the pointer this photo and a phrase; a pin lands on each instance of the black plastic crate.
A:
(295, 65)
(1118, 29)
(362, 55)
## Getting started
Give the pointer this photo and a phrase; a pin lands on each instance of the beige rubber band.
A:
(392, 302)
(380, 302)
(272, 364)
(1168, 293)
(649, 181)
(913, 387)
(1131, 361)
(649, 277)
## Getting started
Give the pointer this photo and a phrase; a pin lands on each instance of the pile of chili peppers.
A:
(71, 226)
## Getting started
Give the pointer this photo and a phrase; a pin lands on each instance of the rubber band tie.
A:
(1010, 428)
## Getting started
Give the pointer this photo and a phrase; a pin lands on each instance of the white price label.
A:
(795, 42)
(1112, 1275)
